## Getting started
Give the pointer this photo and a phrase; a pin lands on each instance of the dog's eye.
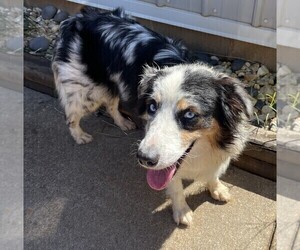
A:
(152, 107)
(189, 115)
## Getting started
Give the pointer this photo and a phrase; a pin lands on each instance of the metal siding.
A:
(288, 14)
(229, 9)
(189, 5)
(268, 14)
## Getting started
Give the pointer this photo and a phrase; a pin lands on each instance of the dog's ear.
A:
(233, 98)
(233, 104)
(145, 87)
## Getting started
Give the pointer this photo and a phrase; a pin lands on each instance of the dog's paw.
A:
(127, 125)
(221, 193)
(83, 138)
(183, 215)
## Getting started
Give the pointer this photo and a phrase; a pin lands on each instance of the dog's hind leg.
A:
(74, 112)
(112, 108)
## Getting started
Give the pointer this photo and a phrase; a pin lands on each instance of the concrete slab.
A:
(96, 197)
(288, 214)
(11, 169)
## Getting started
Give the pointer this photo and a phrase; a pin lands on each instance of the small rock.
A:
(254, 67)
(280, 104)
(253, 100)
(273, 125)
(262, 117)
(38, 19)
(252, 91)
(228, 71)
(48, 12)
(213, 62)
(39, 43)
(283, 71)
(289, 112)
(271, 81)
(241, 74)
(250, 77)
(55, 28)
(267, 90)
(259, 104)
(263, 70)
(14, 43)
(220, 68)
(296, 125)
(272, 114)
(60, 16)
(247, 64)
(266, 109)
(261, 97)
(237, 64)
(256, 86)
(214, 58)
(289, 79)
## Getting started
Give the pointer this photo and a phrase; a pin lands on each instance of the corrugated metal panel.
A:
(232, 18)
(259, 13)
(288, 14)
(236, 10)
(189, 5)
(288, 27)
(264, 14)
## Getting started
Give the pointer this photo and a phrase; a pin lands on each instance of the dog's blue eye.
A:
(189, 115)
(152, 108)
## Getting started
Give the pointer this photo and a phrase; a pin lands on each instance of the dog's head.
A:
(182, 105)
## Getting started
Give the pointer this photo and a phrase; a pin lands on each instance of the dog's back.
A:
(99, 59)
(112, 43)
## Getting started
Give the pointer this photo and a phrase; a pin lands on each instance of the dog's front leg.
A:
(181, 211)
(218, 190)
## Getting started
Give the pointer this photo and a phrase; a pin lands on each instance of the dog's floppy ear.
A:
(145, 87)
(233, 105)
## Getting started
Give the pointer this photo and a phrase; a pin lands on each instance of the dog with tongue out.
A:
(196, 122)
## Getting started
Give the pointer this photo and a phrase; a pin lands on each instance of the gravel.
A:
(237, 64)
(48, 12)
(14, 43)
(11, 30)
(288, 98)
(39, 43)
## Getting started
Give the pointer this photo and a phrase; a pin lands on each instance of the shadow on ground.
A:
(86, 196)
(95, 196)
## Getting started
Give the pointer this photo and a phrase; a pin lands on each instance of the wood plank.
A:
(259, 152)
(38, 70)
(11, 71)
(256, 166)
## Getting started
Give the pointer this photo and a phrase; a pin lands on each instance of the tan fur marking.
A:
(211, 134)
(182, 104)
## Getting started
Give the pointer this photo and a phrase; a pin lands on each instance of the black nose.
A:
(147, 160)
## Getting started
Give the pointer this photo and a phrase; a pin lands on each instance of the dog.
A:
(197, 121)
(98, 60)
(196, 118)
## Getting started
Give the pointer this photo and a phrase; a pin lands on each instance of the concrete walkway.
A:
(96, 197)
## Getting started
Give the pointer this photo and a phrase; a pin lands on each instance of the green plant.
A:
(295, 100)
(273, 101)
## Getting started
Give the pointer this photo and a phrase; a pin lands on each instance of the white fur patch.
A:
(123, 90)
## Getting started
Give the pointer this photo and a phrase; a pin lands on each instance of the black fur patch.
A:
(113, 43)
(217, 98)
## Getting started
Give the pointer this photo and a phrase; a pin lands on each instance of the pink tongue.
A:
(159, 179)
